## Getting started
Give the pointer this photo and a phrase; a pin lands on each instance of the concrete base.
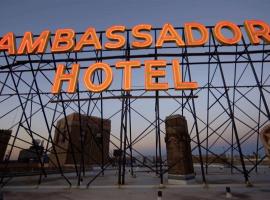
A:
(181, 179)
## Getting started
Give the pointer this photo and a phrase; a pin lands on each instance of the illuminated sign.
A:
(64, 41)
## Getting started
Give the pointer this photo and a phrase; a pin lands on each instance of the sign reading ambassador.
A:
(64, 41)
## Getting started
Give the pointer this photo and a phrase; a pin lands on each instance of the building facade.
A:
(81, 139)
(4, 139)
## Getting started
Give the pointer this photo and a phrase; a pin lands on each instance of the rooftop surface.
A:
(145, 186)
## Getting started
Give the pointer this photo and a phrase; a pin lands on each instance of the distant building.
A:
(35, 153)
(68, 140)
(4, 139)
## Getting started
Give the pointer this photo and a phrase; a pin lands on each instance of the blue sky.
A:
(33, 15)
(19, 16)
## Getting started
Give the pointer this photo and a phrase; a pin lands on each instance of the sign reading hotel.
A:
(64, 41)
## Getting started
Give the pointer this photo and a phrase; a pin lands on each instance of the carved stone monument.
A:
(179, 157)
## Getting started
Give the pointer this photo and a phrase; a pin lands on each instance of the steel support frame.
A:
(186, 103)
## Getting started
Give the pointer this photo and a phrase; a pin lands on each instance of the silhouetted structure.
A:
(35, 153)
(4, 139)
(86, 133)
(179, 157)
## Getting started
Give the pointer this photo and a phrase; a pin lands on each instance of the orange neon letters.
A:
(120, 39)
(150, 74)
(105, 84)
(151, 71)
(127, 68)
(140, 36)
(86, 41)
(254, 34)
(60, 77)
(7, 43)
(147, 37)
(190, 40)
(177, 77)
(63, 41)
(237, 34)
(27, 45)
(169, 34)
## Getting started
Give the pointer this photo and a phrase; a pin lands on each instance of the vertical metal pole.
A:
(82, 137)
(159, 140)
(126, 111)
(125, 141)
(233, 107)
(130, 137)
(102, 131)
(231, 115)
(121, 141)
(208, 109)
(195, 118)
(157, 121)
(101, 113)
(259, 116)
(156, 136)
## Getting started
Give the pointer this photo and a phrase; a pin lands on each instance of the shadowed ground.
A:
(144, 186)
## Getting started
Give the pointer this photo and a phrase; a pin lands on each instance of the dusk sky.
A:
(36, 16)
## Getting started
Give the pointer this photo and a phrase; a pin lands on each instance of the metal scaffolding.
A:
(228, 109)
